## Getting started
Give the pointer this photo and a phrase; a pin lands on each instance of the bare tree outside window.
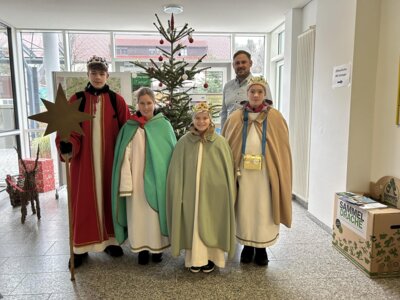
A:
(84, 45)
(255, 45)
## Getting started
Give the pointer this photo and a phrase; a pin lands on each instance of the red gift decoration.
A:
(45, 173)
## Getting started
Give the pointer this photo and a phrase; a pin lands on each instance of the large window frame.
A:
(13, 133)
(277, 64)
(217, 62)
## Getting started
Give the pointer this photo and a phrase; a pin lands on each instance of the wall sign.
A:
(341, 76)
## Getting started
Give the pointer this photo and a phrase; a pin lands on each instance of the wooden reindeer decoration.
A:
(29, 192)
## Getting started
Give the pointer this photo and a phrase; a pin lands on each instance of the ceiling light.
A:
(173, 9)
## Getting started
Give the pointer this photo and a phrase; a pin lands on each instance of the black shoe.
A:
(261, 257)
(114, 251)
(78, 260)
(143, 257)
(195, 269)
(156, 257)
(247, 254)
(208, 268)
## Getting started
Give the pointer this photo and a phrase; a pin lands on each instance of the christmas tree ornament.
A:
(205, 85)
(161, 41)
(170, 71)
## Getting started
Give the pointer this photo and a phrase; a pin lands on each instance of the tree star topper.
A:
(62, 116)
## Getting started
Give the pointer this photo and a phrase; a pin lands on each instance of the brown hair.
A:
(145, 91)
(242, 52)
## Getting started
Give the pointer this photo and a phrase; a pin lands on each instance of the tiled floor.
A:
(303, 265)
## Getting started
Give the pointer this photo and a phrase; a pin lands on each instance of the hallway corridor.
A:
(303, 265)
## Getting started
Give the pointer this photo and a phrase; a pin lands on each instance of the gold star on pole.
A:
(62, 116)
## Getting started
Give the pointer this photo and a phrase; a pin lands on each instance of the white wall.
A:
(293, 21)
(386, 135)
(334, 45)
(309, 15)
(365, 60)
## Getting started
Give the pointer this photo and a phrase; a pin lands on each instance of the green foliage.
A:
(171, 72)
(380, 252)
(394, 252)
(368, 243)
(389, 242)
(43, 142)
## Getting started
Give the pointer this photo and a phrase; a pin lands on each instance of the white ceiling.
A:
(138, 15)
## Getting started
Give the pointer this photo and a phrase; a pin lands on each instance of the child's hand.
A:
(65, 147)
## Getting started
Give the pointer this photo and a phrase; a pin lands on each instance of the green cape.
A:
(217, 194)
(160, 142)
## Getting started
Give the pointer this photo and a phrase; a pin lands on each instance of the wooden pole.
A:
(71, 219)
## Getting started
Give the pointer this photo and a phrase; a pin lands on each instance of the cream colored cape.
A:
(278, 157)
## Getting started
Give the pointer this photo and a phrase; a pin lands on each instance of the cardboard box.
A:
(386, 190)
(368, 238)
(45, 173)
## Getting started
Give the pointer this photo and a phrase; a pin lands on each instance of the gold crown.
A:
(97, 60)
(201, 107)
(257, 80)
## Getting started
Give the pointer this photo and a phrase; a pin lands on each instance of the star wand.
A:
(64, 118)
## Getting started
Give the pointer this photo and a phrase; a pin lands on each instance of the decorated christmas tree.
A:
(172, 71)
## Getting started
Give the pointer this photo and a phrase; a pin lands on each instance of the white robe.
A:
(254, 222)
(143, 222)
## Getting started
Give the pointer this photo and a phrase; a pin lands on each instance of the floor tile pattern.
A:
(303, 265)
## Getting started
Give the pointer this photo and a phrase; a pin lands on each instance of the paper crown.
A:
(257, 80)
(201, 107)
(97, 60)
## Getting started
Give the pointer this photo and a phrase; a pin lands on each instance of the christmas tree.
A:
(172, 71)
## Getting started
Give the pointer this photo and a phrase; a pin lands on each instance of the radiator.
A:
(300, 133)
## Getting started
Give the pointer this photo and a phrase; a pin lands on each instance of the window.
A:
(43, 53)
(8, 157)
(7, 102)
(277, 65)
(255, 45)
(278, 85)
(9, 133)
(144, 46)
(281, 42)
(84, 45)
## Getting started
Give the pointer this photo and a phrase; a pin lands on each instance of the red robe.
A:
(88, 228)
